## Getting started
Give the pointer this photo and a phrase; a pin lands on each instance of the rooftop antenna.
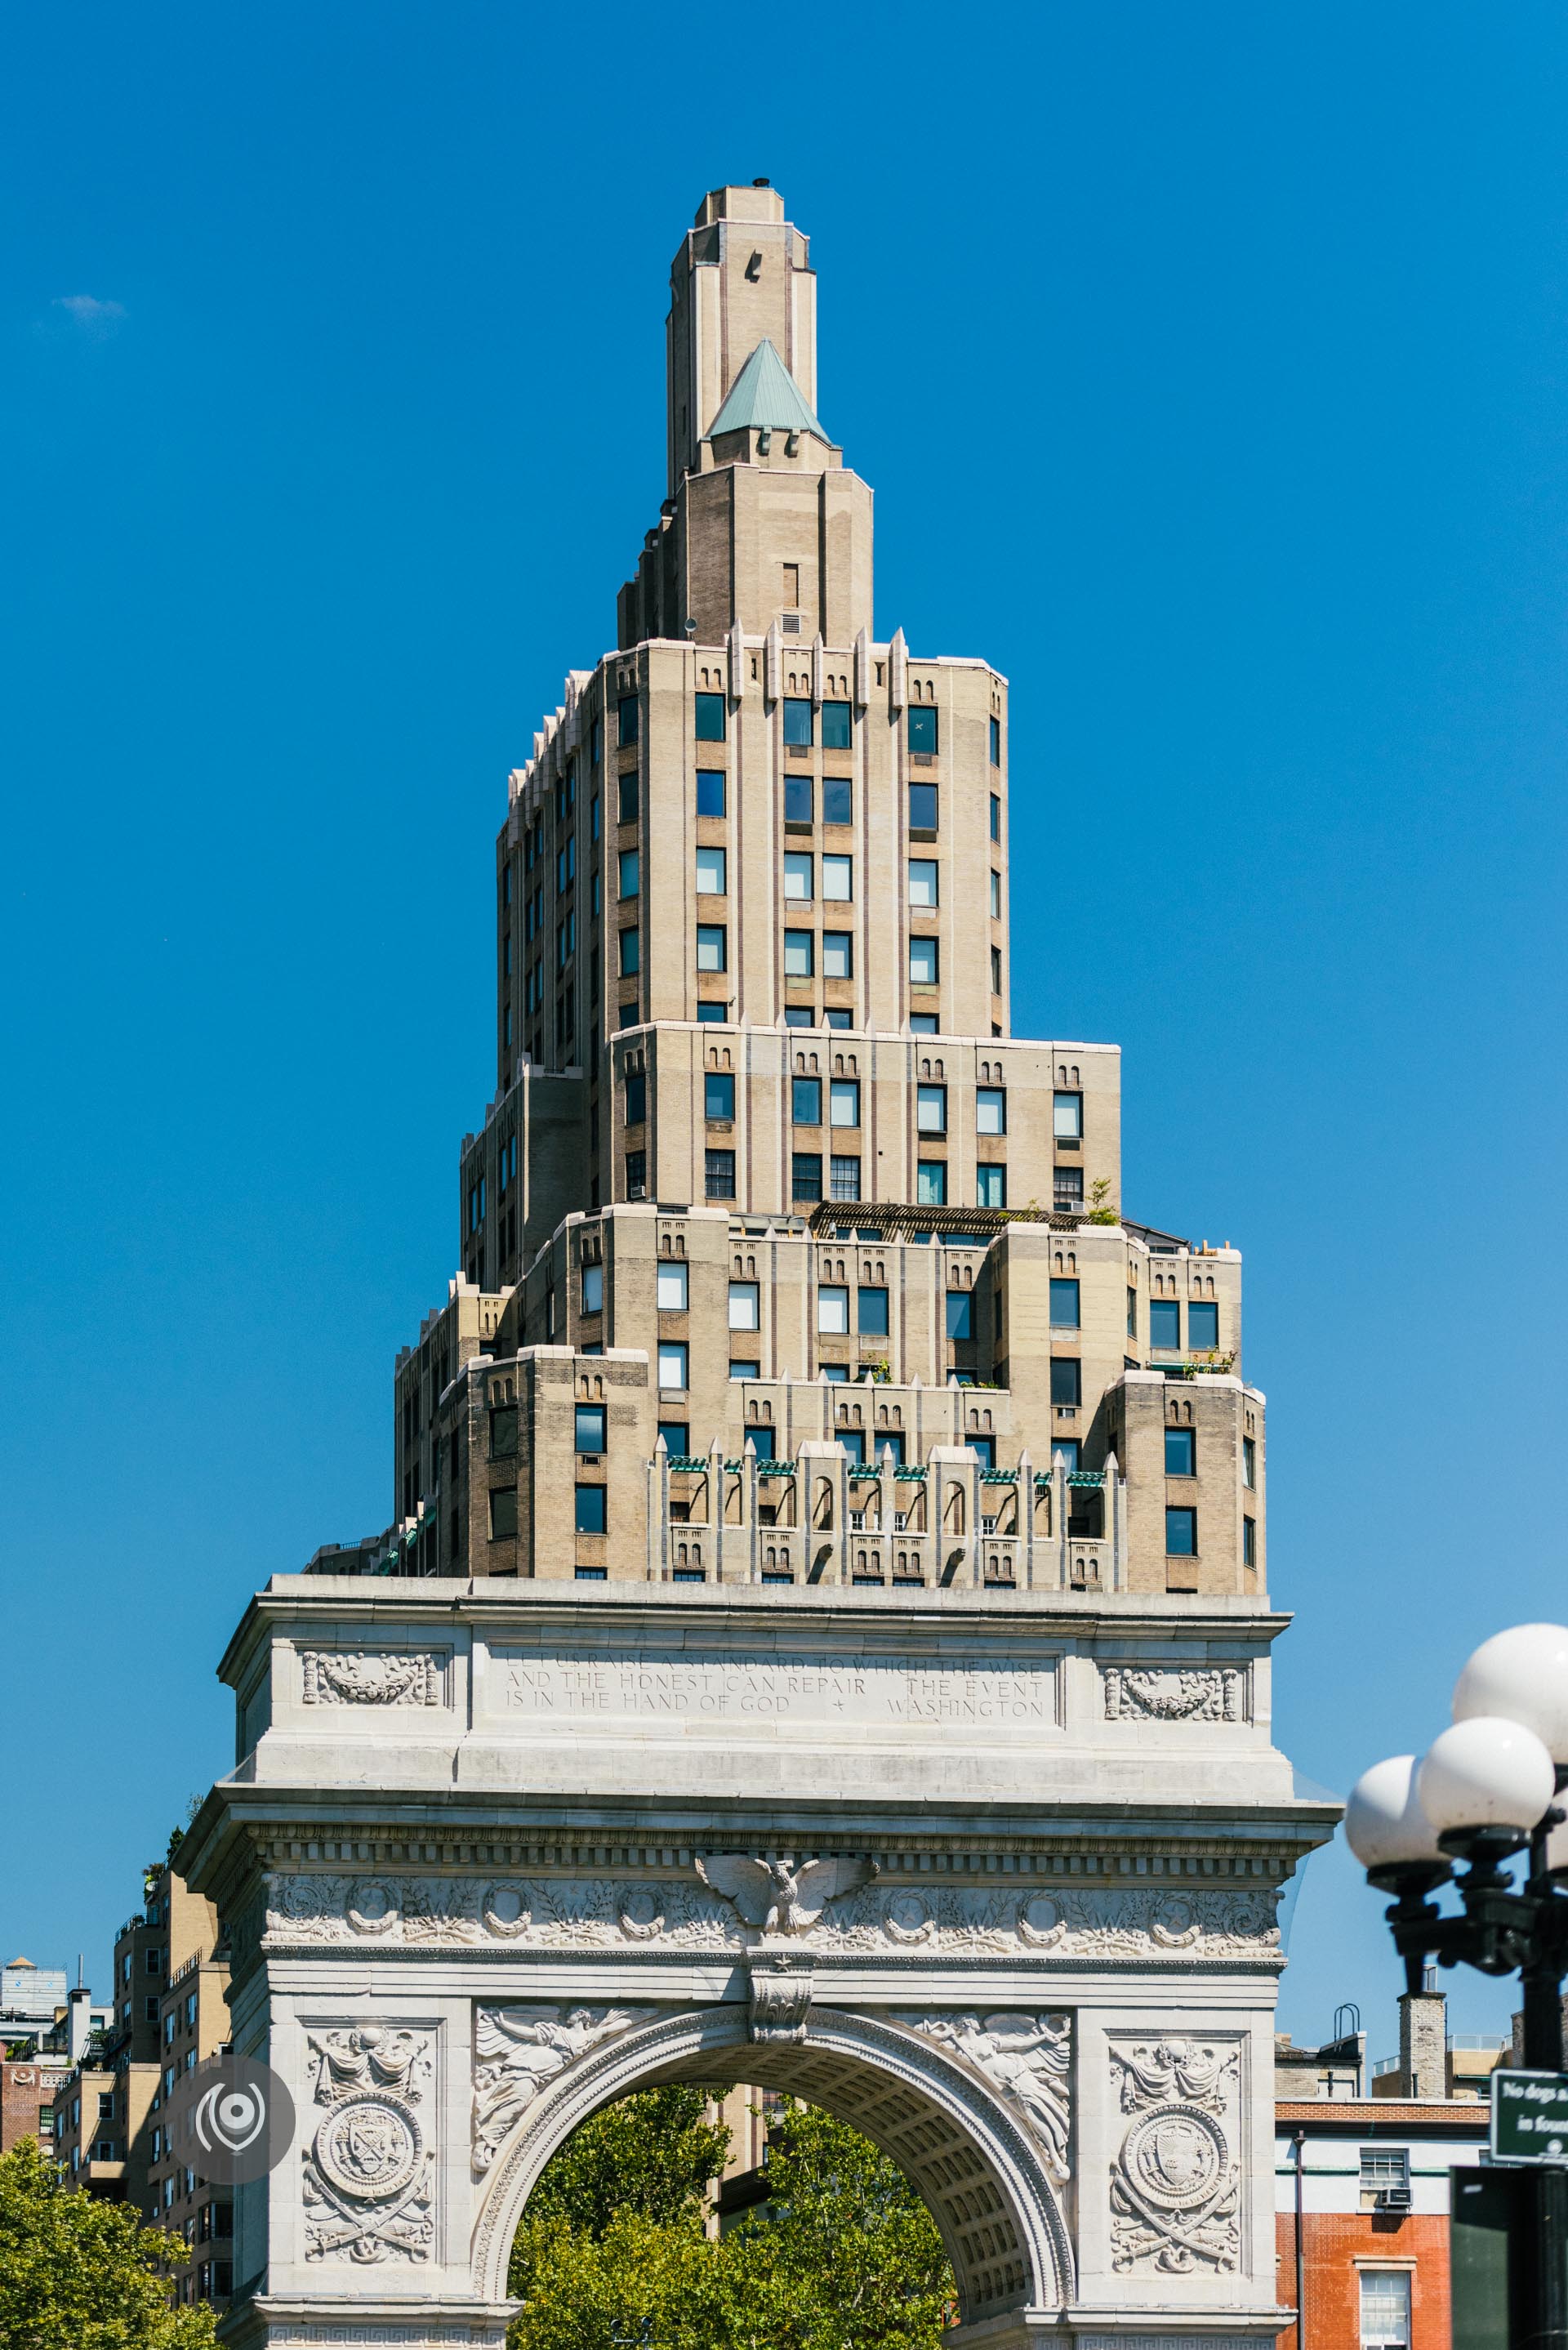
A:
(1346, 2007)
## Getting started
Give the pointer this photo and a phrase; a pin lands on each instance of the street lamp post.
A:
(1484, 1791)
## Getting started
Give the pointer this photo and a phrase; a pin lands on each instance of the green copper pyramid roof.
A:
(766, 394)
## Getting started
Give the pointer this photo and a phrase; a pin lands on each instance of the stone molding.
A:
(589, 1916)
(1175, 2188)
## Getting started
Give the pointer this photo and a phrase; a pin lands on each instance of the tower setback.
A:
(781, 1260)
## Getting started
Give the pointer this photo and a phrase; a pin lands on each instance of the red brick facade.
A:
(27, 2089)
(1334, 2243)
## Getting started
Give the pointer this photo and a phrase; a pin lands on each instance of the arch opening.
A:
(972, 2164)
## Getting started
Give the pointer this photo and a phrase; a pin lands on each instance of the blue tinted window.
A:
(838, 799)
(590, 1428)
(996, 742)
(712, 787)
(1164, 1322)
(1202, 1328)
(1180, 1453)
(990, 1187)
(1066, 1380)
(762, 1440)
(922, 726)
(797, 720)
(805, 1175)
(590, 1509)
(931, 1183)
(627, 712)
(836, 726)
(797, 799)
(922, 808)
(871, 1308)
(1181, 1533)
(960, 1314)
(718, 1094)
(805, 1100)
(709, 718)
(985, 1447)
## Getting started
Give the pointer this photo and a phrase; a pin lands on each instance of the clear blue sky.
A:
(1210, 366)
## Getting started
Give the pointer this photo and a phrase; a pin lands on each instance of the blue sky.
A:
(1208, 364)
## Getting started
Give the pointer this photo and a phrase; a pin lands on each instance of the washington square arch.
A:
(823, 1640)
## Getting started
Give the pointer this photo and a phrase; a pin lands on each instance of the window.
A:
(990, 1109)
(924, 881)
(990, 1187)
(677, 1435)
(154, 1962)
(985, 1450)
(890, 1446)
(923, 727)
(709, 718)
(931, 1183)
(150, 2011)
(1132, 1314)
(1385, 2166)
(1180, 1453)
(996, 970)
(798, 801)
(636, 1097)
(1066, 1188)
(504, 1432)
(637, 1174)
(1202, 1326)
(745, 1370)
(924, 962)
(1164, 1324)
(1385, 2309)
(718, 1094)
(996, 897)
(995, 818)
(593, 1289)
(798, 725)
(805, 1100)
(626, 716)
(805, 1175)
(711, 878)
(838, 877)
(1249, 1541)
(836, 732)
(630, 954)
(1181, 1533)
(844, 1101)
(718, 1175)
(672, 1290)
(504, 1514)
(590, 1431)
(1064, 1305)
(871, 1313)
(1250, 1462)
(594, 821)
(837, 1018)
(837, 954)
(745, 1306)
(761, 1440)
(931, 1109)
(843, 1176)
(629, 872)
(592, 1574)
(713, 1012)
(1067, 1446)
(923, 1024)
(835, 1374)
(1066, 1381)
(672, 1355)
(712, 947)
(797, 877)
(591, 1514)
(833, 1311)
(838, 799)
(711, 791)
(923, 811)
(799, 957)
(960, 1314)
(996, 742)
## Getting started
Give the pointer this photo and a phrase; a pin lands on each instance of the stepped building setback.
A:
(782, 1260)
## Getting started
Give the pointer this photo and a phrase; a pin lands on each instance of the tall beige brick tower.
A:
(781, 1260)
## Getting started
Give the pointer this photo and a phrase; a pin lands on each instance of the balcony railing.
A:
(823, 1518)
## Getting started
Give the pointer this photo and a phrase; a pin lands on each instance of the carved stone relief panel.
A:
(1167, 1693)
(374, 1677)
(1175, 2187)
(519, 2049)
(368, 2186)
(1027, 2057)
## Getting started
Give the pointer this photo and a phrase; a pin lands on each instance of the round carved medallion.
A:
(1175, 1921)
(506, 1909)
(1175, 2157)
(371, 1906)
(368, 2146)
(640, 1915)
(1040, 1919)
(908, 1916)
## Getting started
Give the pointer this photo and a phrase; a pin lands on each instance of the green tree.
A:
(80, 2275)
(613, 2250)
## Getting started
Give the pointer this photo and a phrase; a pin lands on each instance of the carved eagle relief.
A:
(779, 1896)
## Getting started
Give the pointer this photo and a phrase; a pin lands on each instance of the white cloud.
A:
(92, 317)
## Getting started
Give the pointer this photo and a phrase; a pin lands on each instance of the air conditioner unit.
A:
(1392, 2198)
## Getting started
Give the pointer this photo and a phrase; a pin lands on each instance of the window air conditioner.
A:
(1392, 2198)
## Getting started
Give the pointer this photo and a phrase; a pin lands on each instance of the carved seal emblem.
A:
(368, 2148)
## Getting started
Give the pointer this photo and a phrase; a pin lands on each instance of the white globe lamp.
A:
(1385, 1826)
(1520, 1676)
(1487, 1779)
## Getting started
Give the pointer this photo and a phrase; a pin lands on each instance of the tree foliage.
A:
(79, 2274)
(613, 2253)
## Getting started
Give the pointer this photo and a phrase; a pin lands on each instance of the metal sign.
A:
(1528, 2116)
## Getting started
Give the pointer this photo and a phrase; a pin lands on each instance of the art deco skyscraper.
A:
(781, 1259)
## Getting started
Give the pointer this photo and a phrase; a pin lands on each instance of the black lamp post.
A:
(1484, 1791)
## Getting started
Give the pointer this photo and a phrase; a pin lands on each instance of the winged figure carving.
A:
(781, 1896)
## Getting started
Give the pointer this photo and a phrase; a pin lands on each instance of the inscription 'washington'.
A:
(1003, 1696)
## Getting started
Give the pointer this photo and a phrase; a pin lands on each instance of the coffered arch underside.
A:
(977, 2171)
